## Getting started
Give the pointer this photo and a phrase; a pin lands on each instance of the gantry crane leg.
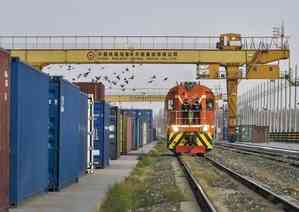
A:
(232, 77)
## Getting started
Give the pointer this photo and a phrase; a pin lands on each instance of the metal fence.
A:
(272, 103)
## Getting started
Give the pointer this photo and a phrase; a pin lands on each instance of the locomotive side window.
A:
(170, 104)
(210, 104)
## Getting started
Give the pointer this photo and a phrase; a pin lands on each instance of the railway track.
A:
(200, 196)
(280, 203)
(290, 157)
(276, 199)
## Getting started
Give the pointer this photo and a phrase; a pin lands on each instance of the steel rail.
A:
(258, 188)
(278, 153)
(201, 198)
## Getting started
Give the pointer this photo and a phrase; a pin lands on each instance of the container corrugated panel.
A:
(119, 132)
(64, 133)
(154, 134)
(124, 134)
(140, 115)
(4, 128)
(83, 132)
(113, 142)
(29, 132)
(101, 136)
(260, 134)
(145, 133)
(127, 134)
(96, 89)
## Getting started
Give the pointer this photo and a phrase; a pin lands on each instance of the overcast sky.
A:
(151, 17)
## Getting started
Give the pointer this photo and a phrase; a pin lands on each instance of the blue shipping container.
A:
(64, 133)
(83, 132)
(113, 142)
(29, 132)
(101, 136)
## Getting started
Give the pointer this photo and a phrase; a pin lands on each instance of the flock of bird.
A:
(118, 79)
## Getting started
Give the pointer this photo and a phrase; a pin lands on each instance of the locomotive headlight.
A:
(175, 128)
(205, 128)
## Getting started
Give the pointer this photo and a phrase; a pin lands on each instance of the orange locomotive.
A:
(190, 118)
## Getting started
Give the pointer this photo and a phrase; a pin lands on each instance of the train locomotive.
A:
(190, 118)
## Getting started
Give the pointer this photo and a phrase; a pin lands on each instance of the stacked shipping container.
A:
(64, 135)
(96, 89)
(101, 135)
(115, 138)
(29, 132)
(57, 132)
(141, 118)
(4, 128)
(127, 135)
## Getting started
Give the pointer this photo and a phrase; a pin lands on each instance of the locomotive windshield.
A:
(210, 104)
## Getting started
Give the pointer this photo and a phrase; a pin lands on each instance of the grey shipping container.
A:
(29, 132)
(4, 129)
(64, 134)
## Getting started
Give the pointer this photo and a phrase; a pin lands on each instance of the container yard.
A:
(154, 107)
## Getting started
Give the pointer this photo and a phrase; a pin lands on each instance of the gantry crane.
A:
(231, 51)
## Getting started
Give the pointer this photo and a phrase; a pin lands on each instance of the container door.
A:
(98, 134)
(113, 134)
(54, 124)
(90, 146)
(145, 135)
(106, 144)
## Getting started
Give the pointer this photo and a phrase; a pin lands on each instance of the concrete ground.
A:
(85, 196)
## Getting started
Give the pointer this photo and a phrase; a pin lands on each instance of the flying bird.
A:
(86, 74)
(150, 81)
(133, 66)
(114, 83)
(118, 77)
(69, 67)
(166, 78)
(126, 81)
(132, 77)
(79, 75)
(122, 86)
(134, 89)
(98, 77)
(106, 78)
(154, 77)
(127, 69)
(123, 89)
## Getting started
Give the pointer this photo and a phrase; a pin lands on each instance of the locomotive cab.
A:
(190, 110)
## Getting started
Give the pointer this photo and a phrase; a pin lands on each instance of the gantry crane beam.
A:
(139, 98)
(135, 98)
(42, 57)
(254, 52)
